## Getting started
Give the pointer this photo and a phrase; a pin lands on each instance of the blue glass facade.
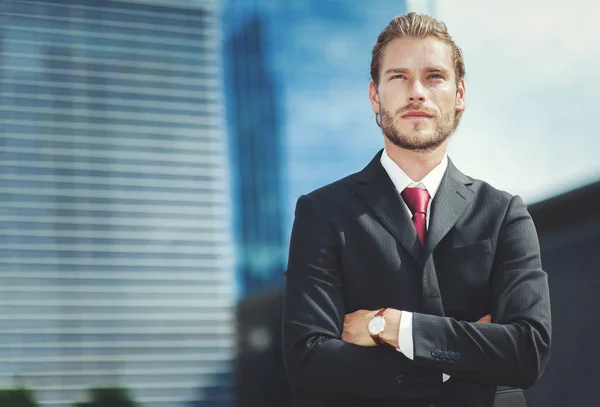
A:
(256, 155)
(298, 74)
(115, 242)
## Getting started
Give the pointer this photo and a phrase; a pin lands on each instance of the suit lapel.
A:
(450, 201)
(452, 198)
(378, 192)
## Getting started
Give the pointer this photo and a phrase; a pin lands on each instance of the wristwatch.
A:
(377, 326)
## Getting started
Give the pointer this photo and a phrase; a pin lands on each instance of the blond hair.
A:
(420, 26)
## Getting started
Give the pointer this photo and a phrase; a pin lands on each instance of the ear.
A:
(374, 97)
(461, 96)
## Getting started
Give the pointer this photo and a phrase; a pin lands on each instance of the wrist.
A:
(392, 327)
(377, 324)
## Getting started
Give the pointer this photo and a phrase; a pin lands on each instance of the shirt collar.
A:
(430, 182)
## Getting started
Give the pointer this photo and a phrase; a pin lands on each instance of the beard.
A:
(415, 140)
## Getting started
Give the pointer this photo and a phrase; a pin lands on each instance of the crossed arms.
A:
(512, 351)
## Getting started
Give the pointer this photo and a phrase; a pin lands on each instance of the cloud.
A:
(530, 123)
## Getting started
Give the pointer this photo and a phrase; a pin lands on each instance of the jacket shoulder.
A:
(327, 192)
(485, 194)
(332, 197)
(482, 187)
(492, 197)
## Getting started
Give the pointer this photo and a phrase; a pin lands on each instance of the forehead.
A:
(415, 53)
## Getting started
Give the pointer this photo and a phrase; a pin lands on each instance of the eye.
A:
(398, 76)
(435, 76)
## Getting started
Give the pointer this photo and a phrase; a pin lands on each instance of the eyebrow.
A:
(436, 69)
(426, 69)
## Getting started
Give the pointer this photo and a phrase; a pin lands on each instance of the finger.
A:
(485, 319)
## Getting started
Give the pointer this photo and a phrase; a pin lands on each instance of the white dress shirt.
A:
(431, 183)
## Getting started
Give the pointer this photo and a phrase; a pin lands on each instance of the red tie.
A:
(417, 199)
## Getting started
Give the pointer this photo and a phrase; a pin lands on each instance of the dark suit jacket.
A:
(353, 246)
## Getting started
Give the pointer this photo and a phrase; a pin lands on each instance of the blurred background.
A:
(152, 151)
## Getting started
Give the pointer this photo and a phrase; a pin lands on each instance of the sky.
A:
(529, 127)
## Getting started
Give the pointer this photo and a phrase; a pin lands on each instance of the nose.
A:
(416, 93)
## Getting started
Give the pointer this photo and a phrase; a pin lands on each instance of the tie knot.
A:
(416, 199)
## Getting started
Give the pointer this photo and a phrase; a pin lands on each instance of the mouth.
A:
(416, 115)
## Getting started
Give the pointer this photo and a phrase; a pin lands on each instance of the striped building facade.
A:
(115, 238)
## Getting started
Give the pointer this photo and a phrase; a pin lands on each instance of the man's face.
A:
(417, 96)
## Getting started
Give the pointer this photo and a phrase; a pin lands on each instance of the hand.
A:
(486, 319)
(356, 328)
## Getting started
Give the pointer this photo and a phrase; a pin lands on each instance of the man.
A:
(409, 283)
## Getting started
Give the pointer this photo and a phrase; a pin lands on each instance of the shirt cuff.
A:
(405, 337)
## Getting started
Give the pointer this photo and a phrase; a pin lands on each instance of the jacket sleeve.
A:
(514, 349)
(318, 362)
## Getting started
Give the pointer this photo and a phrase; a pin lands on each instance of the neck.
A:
(416, 164)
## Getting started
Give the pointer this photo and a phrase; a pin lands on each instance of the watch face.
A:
(376, 325)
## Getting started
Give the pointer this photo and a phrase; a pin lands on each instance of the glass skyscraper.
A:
(305, 67)
(115, 246)
(258, 168)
